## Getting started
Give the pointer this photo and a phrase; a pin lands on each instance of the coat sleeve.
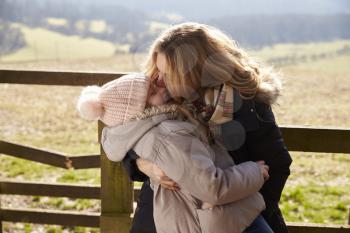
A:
(189, 162)
(267, 144)
(264, 141)
(129, 163)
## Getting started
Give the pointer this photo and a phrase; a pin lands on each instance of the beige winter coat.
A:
(205, 174)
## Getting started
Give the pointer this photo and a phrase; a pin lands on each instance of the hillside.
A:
(43, 44)
(268, 22)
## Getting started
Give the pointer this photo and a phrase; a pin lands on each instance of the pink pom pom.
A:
(89, 105)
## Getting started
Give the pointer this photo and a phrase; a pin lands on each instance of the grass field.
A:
(315, 93)
(43, 44)
(307, 49)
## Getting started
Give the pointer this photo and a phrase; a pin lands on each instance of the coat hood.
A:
(270, 87)
(118, 140)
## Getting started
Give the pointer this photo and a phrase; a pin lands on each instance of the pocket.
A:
(234, 217)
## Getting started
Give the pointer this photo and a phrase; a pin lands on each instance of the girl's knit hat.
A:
(116, 102)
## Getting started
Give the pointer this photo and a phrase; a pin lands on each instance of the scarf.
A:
(216, 107)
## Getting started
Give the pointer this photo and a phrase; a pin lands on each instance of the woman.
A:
(206, 173)
(192, 59)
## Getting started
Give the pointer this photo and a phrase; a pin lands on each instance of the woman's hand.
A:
(264, 169)
(156, 174)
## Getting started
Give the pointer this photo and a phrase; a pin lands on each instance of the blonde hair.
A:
(200, 56)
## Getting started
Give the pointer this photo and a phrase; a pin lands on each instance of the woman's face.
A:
(159, 95)
(162, 65)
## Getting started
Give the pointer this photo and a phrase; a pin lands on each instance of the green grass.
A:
(65, 204)
(303, 204)
(315, 93)
(318, 189)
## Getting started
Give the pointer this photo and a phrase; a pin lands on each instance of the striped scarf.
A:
(216, 107)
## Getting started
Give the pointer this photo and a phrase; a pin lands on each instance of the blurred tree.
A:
(11, 39)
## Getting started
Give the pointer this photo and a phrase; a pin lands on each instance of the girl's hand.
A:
(264, 169)
(207, 205)
(156, 174)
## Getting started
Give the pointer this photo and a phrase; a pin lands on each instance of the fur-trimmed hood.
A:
(269, 88)
(118, 140)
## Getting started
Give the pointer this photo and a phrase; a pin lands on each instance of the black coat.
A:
(256, 137)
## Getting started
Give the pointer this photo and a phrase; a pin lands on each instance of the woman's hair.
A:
(200, 56)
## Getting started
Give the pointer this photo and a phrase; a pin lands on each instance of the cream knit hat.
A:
(117, 101)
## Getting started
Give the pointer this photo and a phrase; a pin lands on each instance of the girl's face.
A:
(158, 94)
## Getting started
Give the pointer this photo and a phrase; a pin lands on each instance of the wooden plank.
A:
(35, 154)
(85, 161)
(317, 228)
(310, 139)
(49, 189)
(56, 77)
(48, 157)
(116, 195)
(43, 216)
(54, 190)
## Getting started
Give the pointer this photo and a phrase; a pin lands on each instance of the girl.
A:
(207, 175)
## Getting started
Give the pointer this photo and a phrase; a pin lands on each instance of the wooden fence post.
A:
(0, 213)
(116, 195)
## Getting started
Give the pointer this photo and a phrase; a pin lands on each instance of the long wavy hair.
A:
(200, 56)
